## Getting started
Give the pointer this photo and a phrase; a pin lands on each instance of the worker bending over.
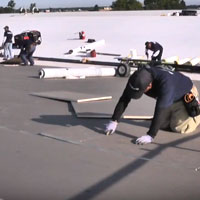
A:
(177, 105)
(156, 48)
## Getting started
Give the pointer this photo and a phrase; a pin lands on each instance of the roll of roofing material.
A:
(108, 71)
(90, 72)
(52, 73)
(76, 73)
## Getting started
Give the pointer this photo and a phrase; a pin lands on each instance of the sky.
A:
(69, 3)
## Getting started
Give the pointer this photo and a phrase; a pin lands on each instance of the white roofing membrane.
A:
(121, 31)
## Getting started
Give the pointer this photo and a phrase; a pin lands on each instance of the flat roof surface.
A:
(60, 30)
(47, 153)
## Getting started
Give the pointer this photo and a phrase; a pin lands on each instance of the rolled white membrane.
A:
(75, 73)
(52, 73)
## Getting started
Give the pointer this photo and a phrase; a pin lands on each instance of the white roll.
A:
(90, 72)
(72, 73)
(53, 73)
(108, 72)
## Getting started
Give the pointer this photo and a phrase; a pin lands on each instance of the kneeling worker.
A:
(169, 89)
(156, 48)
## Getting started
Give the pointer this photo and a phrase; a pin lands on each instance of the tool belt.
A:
(192, 104)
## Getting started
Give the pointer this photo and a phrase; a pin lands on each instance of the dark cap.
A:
(6, 27)
(146, 43)
(138, 82)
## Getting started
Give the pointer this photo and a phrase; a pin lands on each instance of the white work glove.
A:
(111, 127)
(145, 139)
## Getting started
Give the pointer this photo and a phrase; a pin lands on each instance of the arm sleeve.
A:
(162, 111)
(146, 52)
(121, 106)
(160, 115)
(157, 49)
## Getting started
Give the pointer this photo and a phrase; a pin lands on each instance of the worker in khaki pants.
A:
(169, 88)
(180, 121)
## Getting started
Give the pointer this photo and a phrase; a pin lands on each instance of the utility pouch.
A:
(191, 104)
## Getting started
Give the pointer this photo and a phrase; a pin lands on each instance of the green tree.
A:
(11, 4)
(126, 5)
(164, 4)
(96, 8)
(134, 5)
(182, 3)
(119, 5)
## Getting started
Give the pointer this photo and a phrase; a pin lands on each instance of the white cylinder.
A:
(72, 73)
(90, 72)
(53, 73)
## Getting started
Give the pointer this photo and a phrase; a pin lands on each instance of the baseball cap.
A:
(138, 83)
(146, 43)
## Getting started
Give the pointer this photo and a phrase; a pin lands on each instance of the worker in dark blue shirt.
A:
(156, 48)
(168, 88)
(7, 44)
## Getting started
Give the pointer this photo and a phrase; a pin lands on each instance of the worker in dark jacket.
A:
(7, 44)
(156, 48)
(168, 88)
(27, 51)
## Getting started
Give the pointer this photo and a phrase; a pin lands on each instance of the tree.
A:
(11, 4)
(182, 3)
(126, 5)
(96, 8)
(119, 5)
(134, 5)
(164, 4)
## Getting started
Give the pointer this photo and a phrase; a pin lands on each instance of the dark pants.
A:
(27, 55)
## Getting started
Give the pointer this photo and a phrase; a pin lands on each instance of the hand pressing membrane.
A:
(145, 139)
(111, 127)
